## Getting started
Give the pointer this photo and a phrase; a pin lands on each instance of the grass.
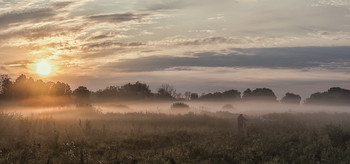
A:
(89, 136)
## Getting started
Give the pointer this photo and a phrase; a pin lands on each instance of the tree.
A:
(226, 95)
(334, 96)
(246, 93)
(187, 95)
(260, 94)
(82, 92)
(108, 92)
(291, 98)
(60, 89)
(194, 96)
(135, 91)
(169, 89)
(163, 94)
(232, 94)
(166, 91)
(21, 87)
(5, 86)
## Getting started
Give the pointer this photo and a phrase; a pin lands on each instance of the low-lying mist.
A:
(253, 108)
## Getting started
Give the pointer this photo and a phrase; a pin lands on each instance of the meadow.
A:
(88, 135)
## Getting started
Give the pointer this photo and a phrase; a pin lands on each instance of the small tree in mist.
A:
(82, 95)
(194, 96)
(291, 98)
(187, 95)
(135, 91)
(81, 92)
(166, 91)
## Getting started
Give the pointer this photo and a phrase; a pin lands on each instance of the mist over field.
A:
(249, 108)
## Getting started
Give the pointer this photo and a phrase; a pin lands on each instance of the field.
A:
(86, 135)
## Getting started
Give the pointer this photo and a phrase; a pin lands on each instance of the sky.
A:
(299, 46)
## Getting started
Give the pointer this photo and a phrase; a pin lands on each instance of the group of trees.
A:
(24, 87)
(135, 91)
(259, 94)
(334, 96)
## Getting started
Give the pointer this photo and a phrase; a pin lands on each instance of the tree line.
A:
(26, 87)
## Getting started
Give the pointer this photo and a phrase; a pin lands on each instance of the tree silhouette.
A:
(60, 89)
(226, 95)
(335, 95)
(163, 94)
(260, 94)
(82, 92)
(135, 91)
(232, 94)
(25, 87)
(5, 86)
(166, 91)
(187, 95)
(194, 96)
(108, 92)
(82, 95)
(246, 93)
(291, 98)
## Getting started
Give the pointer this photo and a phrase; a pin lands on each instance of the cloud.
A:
(60, 5)
(110, 44)
(39, 32)
(211, 40)
(332, 3)
(330, 35)
(18, 63)
(117, 18)
(291, 58)
(24, 16)
(31, 13)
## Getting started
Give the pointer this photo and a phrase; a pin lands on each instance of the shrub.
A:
(180, 105)
(228, 107)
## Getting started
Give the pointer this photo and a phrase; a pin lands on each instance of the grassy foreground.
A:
(87, 136)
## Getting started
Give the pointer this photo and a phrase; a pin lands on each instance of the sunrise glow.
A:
(43, 67)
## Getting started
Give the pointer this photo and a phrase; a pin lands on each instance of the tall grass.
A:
(85, 135)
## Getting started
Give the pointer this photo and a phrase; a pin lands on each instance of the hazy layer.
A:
(248, 108)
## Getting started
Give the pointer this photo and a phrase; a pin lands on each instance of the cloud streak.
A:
(117, 18)
(290, 58)
(26, 16)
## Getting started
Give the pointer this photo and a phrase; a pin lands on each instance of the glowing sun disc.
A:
(43, 67)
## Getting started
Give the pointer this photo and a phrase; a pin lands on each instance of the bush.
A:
(228, 107)
(180, 105)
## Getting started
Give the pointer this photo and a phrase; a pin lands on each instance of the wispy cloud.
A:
(19, 63)
(290, 58)
(25, 16)
(117, 18)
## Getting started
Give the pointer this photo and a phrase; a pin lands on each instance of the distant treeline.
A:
(24, 88)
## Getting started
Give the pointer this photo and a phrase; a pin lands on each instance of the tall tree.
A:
(5, 86)
(291, 98)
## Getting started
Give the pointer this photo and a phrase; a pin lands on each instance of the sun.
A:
(43, 67)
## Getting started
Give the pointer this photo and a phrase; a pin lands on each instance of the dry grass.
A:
(85, 135)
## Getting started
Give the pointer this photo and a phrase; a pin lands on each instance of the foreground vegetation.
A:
(85, 135)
